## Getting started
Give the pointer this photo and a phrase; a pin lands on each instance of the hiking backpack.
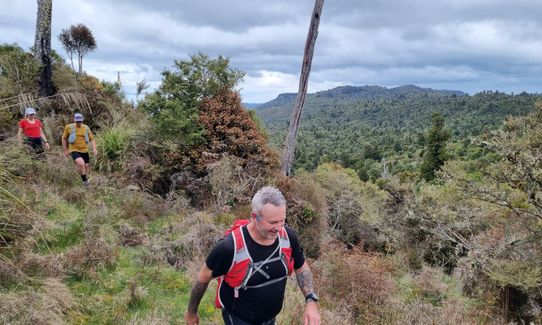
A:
(72, 137)
(242, 267)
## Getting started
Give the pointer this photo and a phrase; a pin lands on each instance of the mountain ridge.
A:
(362, 92)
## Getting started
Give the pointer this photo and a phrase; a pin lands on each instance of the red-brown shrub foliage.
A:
(231, 130)
(359, 281)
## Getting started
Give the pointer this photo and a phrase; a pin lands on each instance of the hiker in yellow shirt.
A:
(75, 142)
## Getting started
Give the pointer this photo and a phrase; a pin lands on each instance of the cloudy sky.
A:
(468, 45)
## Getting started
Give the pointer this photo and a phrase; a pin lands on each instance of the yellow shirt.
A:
(80, 145)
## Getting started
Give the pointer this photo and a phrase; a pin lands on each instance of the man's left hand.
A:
(94, 151)
(311, 316)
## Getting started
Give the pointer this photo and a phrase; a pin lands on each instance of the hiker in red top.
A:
(32, 130)
(252, 263)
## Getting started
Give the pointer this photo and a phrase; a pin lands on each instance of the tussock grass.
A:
(130, 236)
(48, 303)
(86, 259)
(59, 175)
(138, 206)
(190, 239)
(113, 143)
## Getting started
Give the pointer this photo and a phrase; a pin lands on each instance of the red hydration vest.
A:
(242, 267)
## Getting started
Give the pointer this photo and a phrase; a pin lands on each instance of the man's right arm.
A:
(205, 275)
(65, 146)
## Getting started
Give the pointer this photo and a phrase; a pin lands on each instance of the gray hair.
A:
(266, 195)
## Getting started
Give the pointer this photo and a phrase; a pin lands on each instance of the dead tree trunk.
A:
(42, 46)
(291, 138)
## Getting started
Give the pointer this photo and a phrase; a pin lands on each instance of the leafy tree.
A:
(65, 38)
(505, 259)
(435, 148)
(18, 71)
(77, 39)
(174, 107)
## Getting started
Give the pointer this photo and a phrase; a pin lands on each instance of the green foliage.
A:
(353, 206)
(518, 274)
(112, 89)
(359, 128)
(174, 107)
(506, 255)
(113, 143)
(132, 289)
(173, 120)
(18, 71)
(435, 148)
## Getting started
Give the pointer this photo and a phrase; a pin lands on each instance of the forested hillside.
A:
(359, 127)
(455, 242)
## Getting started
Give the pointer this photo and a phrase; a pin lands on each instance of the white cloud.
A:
(467, 45)
(265, 85)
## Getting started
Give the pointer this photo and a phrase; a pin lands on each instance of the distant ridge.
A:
(353, 92)
(251, 105)
(359, 126)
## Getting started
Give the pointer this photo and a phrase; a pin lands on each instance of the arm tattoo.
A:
(304, 279)
(198, 290)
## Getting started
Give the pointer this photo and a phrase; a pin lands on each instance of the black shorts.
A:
(231, 319)
(84, 155)
(35, 144)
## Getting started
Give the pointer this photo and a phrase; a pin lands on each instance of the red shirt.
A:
(31, 130)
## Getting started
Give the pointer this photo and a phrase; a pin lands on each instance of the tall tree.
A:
(291, 138)
(435, 148)
(174, 106)
(42, 46)
(77, 39)
(65, 38)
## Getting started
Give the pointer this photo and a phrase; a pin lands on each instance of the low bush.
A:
(356, 282)
(306, 210)
(183, 242)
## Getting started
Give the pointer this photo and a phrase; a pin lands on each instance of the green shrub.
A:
(113, 143)
(354, 207)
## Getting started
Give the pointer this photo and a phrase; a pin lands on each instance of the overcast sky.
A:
(468, 45)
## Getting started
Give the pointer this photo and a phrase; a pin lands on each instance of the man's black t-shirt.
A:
(254, 305)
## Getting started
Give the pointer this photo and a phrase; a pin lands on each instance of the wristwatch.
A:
(311, 296)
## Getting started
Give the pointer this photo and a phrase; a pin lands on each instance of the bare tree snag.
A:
(291, 138)
(42, 46)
